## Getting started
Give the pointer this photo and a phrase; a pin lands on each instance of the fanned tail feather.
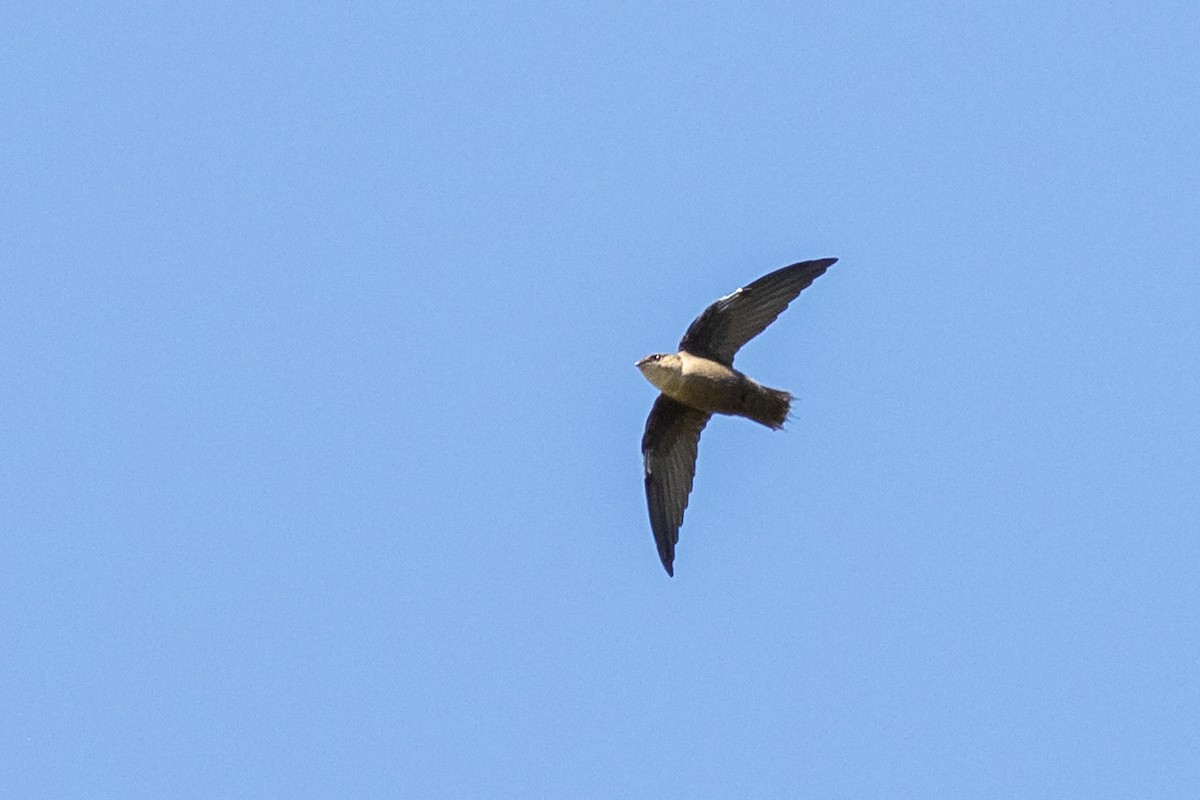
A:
(769, 407)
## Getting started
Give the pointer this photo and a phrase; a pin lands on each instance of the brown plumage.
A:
(767, 406)
(699, 381)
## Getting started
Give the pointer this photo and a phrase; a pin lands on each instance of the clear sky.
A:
(319, 466)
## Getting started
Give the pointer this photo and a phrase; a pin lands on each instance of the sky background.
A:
(319, 465)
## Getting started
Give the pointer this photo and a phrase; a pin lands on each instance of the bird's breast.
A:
(707, 385)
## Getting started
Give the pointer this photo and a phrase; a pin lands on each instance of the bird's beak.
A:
(641, 362)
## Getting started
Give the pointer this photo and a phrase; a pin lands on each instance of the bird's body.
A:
(707, 385)
(699, 381)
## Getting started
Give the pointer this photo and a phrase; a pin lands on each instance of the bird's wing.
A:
(669, 456)
(737, 318)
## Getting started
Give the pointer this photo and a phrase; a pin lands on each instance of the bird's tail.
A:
(768, 406)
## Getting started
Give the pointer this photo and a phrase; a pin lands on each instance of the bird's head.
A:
(661, 368)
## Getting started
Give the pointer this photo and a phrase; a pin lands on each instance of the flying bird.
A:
(699, 381)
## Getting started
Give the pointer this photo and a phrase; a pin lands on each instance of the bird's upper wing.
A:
(737, 318)
(669, 455)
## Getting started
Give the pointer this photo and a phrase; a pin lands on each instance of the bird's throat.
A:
(666, 379)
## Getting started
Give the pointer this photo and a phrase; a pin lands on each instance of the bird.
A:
(699, 380)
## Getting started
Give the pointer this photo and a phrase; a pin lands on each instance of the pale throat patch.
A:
(666, 377)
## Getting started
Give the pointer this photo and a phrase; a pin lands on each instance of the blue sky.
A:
(320, 471)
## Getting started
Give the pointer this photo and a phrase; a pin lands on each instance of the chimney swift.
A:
(700, 381)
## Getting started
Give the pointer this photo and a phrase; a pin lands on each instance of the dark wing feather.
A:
(737, 318)
(669, 456)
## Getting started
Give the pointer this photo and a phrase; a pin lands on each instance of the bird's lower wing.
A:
(669, 456)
